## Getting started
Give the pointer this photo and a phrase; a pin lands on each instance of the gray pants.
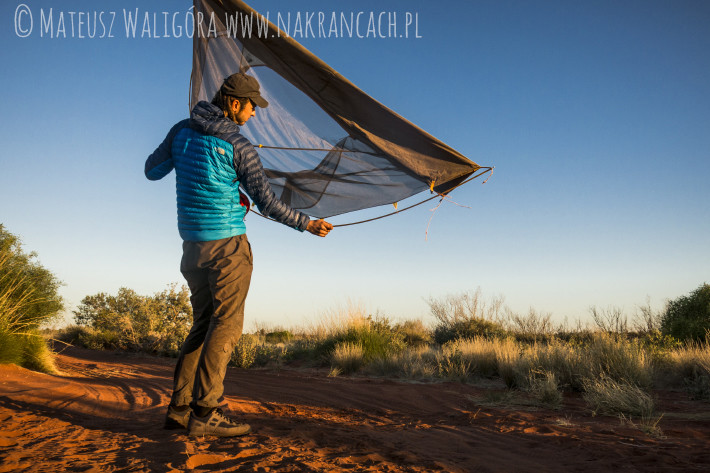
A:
(218, 274)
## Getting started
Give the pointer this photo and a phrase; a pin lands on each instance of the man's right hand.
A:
(319, 227)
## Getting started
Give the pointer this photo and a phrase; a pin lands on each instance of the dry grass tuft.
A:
(478, 356)
(545, 388)
(618, 358)
(348, 357)
(412, 363)
(606, 395)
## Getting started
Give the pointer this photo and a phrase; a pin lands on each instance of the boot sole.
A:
(206, 433)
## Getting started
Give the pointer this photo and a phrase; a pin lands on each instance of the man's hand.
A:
(319, 227)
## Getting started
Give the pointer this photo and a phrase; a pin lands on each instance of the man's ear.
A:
(236, 106)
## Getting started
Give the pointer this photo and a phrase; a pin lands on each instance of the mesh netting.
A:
(327, 147)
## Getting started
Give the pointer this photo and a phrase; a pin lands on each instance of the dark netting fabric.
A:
(327, 147)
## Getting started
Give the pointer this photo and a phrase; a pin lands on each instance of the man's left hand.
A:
(319, 227)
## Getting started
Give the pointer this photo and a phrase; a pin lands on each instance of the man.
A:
(211, 160)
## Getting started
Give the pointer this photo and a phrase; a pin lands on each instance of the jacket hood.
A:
(209, 119)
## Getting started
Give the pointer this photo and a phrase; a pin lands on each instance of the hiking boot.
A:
(216, 424)
(177, 419)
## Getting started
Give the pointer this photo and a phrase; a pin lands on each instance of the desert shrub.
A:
(544, 387)
(29, 298)
(698, 385)
(688, 317)
(512, 366)
(129, 321)
(413, 363)
(618, 358)
(417, 363)
(466, 315)
(689, 366)
(659, 347)
(571, 362)
(533, 327)
(566, 361)
(93, 339)
(36, 354)
(271, 354)
(611, 319)
(468, 328)
(245, 351)
(453, 366)
(606, 395)
(96, 339)
(647, 320)
(414, 333)
(28, 349)
(478, 356)
(12, 348)
(303, 348)
(279, 336)
(70, 334)
(390, 365)
(374, 335)
(29, 293)
(348, 357)
(689, 358)
(251, 350)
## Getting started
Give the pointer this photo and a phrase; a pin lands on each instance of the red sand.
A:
(106, 413)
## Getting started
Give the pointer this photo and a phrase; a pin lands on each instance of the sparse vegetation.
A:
(614, 368)
(610, 320)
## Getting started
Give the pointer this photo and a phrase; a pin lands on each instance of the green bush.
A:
(659, 347)
(12, 348)
(29, 298)
(688, 317)
(279, 336)
(28, 350)
(36, 354)
(129, 321)
(245, 351)
(28, 292)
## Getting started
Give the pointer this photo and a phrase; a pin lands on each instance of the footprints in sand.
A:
(302, 423)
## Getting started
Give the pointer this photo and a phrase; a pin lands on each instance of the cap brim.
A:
(260, 101)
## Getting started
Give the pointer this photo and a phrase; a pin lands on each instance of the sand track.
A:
(105, 413)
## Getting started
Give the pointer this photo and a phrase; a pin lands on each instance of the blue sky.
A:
(596, 116)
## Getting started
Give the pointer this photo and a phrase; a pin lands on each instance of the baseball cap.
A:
(242, 85)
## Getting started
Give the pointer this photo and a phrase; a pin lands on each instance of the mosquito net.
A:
(327, 147)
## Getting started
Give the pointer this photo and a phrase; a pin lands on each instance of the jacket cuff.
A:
(303, 223)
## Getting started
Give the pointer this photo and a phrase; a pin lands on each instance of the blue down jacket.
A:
(211, 159)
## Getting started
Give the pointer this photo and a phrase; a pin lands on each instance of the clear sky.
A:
(596, 116)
